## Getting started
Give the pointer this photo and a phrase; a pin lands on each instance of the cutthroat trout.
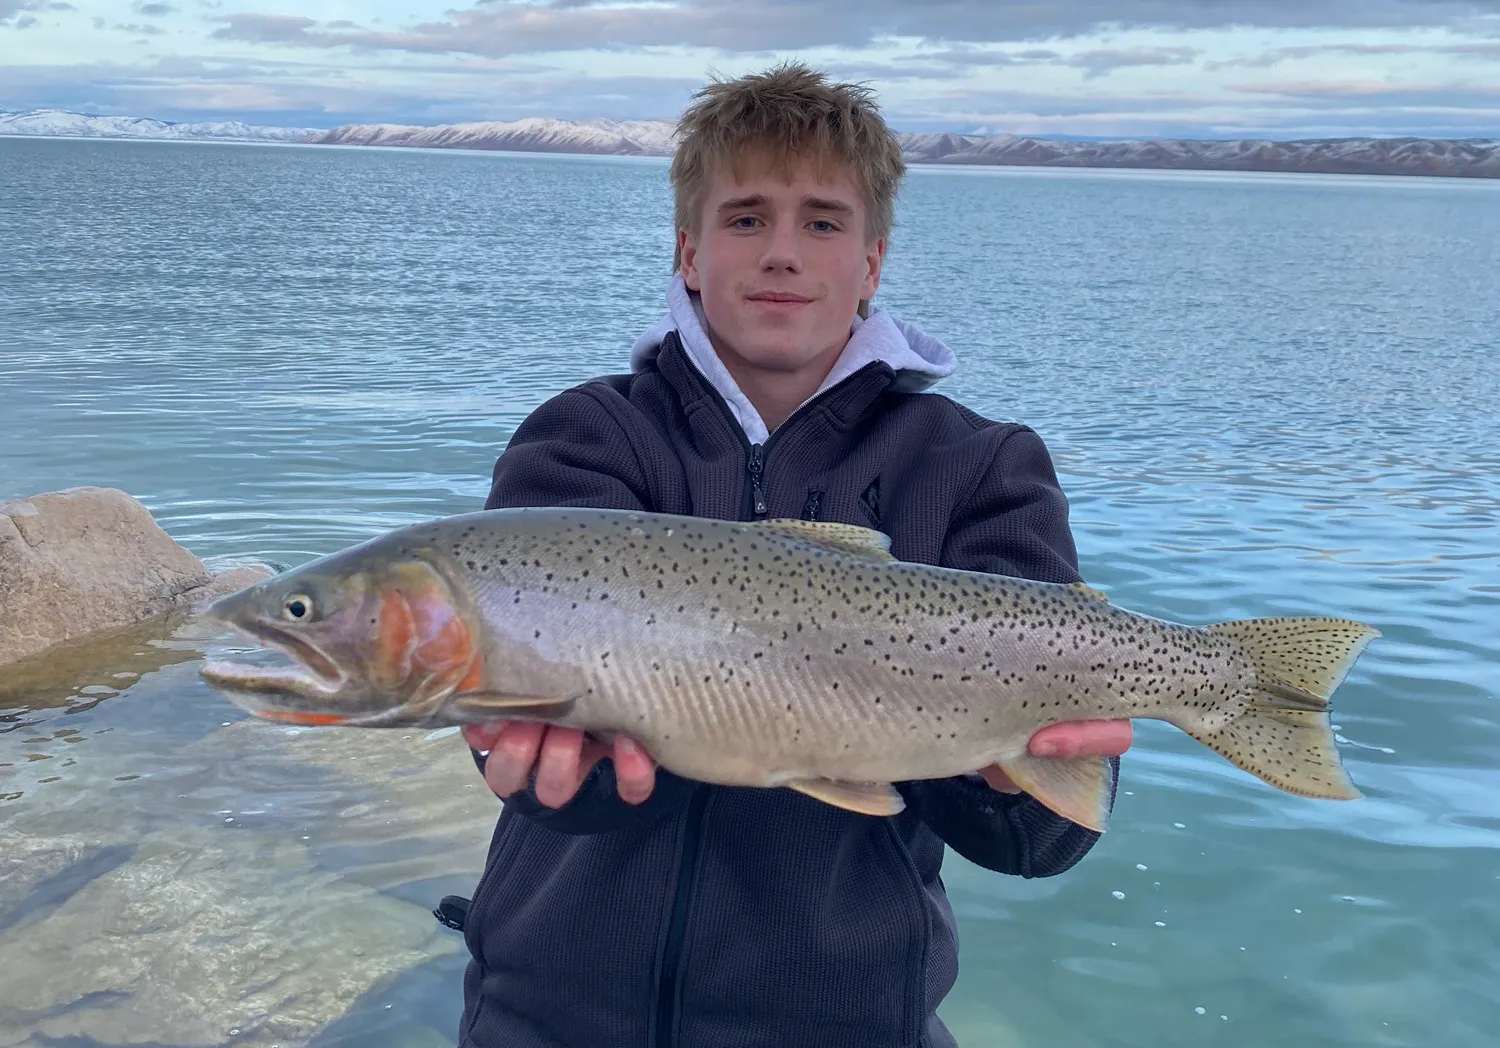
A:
(778, 653)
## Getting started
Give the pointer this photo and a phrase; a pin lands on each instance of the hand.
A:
(563, 757)
(1108, 738)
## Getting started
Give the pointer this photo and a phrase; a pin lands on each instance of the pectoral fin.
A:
(481, 704)
(866, 798)
(1076, 788)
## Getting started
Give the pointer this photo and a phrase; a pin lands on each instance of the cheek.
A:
(848, 273)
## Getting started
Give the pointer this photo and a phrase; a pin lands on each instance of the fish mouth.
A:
(307, 658)
(291, 695)
(266, 681)
(309, 676)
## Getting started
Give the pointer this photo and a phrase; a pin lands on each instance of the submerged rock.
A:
(201, 938)
(248, 894)
(85, 560)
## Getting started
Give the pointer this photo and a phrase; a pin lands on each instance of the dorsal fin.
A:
(851, 539)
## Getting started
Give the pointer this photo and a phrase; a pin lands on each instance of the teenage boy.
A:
(623, 905)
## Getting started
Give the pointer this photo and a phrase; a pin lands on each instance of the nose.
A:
(782, 249)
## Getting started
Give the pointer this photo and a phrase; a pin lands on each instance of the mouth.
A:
(779, 299)
(291, 695)
(291, 692)
(307, 658)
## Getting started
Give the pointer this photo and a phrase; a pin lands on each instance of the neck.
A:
(776, 393)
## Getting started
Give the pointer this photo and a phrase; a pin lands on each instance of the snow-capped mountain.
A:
(535, 134)
(1474, 158)
(60, 122)
(1478, 158)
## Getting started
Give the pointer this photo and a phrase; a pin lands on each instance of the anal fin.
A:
(1077, 788)
(866, 798)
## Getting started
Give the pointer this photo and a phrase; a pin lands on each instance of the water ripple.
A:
(1264, 396)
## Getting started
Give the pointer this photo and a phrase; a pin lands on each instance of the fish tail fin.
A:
(1285, 737)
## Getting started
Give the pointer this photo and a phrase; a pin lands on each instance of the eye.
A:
(297, 608)
(827, 226)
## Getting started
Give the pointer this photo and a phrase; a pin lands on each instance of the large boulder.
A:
(86, 560)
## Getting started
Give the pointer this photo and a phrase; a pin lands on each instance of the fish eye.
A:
(297, 608)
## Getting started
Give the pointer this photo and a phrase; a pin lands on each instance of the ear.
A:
(687, 253)
(874, 260)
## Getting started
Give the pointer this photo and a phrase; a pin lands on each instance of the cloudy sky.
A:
(1193, 68)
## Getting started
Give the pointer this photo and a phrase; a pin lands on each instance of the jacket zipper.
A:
(754, 506)
(687, 863)
(755, 467)
(812, 505)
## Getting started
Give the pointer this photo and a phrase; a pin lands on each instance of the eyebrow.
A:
(820, 204)
(813, 203)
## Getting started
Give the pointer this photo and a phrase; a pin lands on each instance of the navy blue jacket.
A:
(717, 917)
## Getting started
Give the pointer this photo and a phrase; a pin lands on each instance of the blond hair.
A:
(789, 113)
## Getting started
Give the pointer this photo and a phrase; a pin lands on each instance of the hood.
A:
(918, 359)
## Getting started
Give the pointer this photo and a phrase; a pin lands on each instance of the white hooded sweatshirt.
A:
(918, 359)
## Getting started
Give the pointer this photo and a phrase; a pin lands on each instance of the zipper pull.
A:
(755, 466)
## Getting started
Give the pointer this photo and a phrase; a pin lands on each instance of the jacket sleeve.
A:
(572, 452)
(1016, 524)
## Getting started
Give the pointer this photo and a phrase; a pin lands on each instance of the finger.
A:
(512, 753)
(1107, 738)
(998, 780)
(557, 772)
(482, 737)
(635, 771)
(593, 752)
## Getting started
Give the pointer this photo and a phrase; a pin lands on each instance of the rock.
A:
(138, 913)
(201, 938)
(61, 675)
(85, 560)
(413, 811)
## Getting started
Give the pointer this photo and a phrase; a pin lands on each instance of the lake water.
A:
(1265, 395)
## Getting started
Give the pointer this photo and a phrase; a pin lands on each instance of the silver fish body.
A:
(787, 653)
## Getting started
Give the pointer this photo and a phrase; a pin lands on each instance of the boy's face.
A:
(781, 266)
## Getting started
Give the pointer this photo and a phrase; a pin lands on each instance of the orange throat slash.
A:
(306, 720)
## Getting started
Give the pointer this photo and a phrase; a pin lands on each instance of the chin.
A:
(778, 354)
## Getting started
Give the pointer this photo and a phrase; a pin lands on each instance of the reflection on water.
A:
(1265, 396)
(81, 673)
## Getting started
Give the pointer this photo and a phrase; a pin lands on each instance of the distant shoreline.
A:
(1475, 158)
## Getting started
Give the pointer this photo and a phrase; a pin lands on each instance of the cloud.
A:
(21, 14)
(943, 65)
(1266, 59)
(267, 29)
(983, 57)
(1102, 63)
(501, 27)
(1368, 93)
(1095, 67)
(1265, 109)
(978, 104)
(312, 94)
